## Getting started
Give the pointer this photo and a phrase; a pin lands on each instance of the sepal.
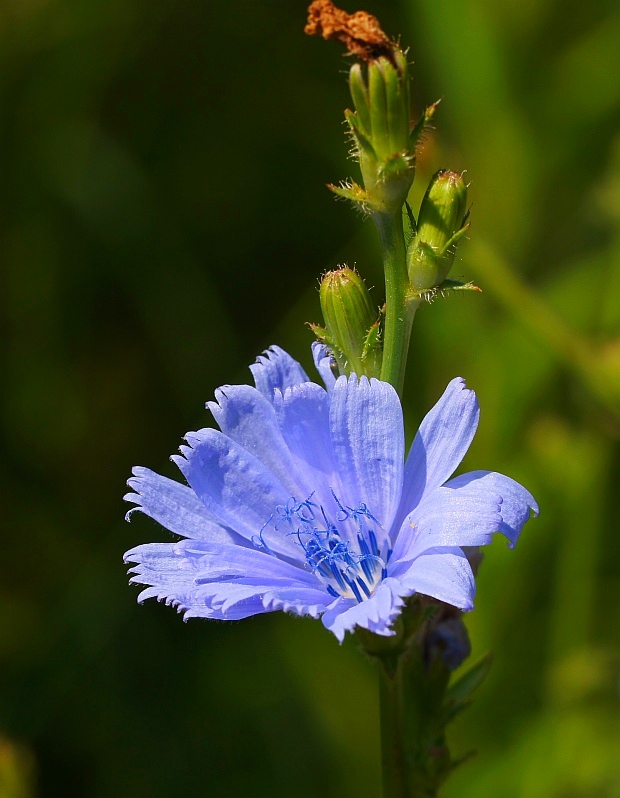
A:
(424, 122)
(353, 192)
(444, 289)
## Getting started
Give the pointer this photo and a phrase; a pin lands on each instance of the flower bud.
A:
(448, 640)
(440, 226)
(351, 323)
(380, 126)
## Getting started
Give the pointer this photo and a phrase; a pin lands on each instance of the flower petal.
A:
(376, 614)
(440, 444)
(228, 598)
(275, 370)
(323, 363)
(235, 602)
(517, 503)
(303, 416)
(297, 600)
(244, 415)
(448, 517)
(443, 574)
(174, 506)
(208, 580)
(169, 574)
(223, 561)
(367, 431)
(234, 486)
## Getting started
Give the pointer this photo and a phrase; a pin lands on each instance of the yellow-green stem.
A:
(399, 309)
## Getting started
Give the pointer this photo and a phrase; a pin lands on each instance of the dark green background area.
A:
(164, 218)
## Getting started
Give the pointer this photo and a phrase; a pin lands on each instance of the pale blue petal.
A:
(244, 415)
(221, 561)
(440, 444)
(303, 416)
(225, 598)
(297, 600)
(168, 572)
(324, 361)
(225, 581)
(240, 602)
(517, 503)
(164, 565)
(449, 517)
(275, 370)
(234, 486)
(174, 506)
(377, 613)
(241, 609)
(443, 574)
(367, 431)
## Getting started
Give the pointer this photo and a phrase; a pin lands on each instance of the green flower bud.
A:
(380, 126)
(440, 225)
(351, 325)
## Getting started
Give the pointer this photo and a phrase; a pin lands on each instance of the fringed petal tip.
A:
(131, 557)
(184, 609)
(131, 497)
(295, 605)
(135, 482)
(377, 614)
(276, 369)
(293, 608)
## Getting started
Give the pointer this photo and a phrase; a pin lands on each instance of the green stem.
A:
(393, 757)
(414, 758)
(399, 309)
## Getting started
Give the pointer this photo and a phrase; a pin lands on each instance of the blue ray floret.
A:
(303, 501)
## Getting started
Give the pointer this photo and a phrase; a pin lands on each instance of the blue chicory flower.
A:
(304, 502)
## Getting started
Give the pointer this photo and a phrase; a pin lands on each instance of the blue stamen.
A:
(294, 511)
(347, 567)
(366, 568)
(361, 511)
(355, 590)
(307, 505)
(338, 577)
(258, 540)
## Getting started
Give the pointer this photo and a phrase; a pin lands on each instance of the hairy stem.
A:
(399, 308)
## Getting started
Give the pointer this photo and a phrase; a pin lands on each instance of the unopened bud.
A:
(439, 228)
(380, 126)
(350, 323)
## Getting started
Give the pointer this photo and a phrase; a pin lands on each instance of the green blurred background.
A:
(163, 219)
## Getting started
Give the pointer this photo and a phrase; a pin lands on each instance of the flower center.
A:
(341, 549)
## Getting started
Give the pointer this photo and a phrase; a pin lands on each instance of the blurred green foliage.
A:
(163, 219)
